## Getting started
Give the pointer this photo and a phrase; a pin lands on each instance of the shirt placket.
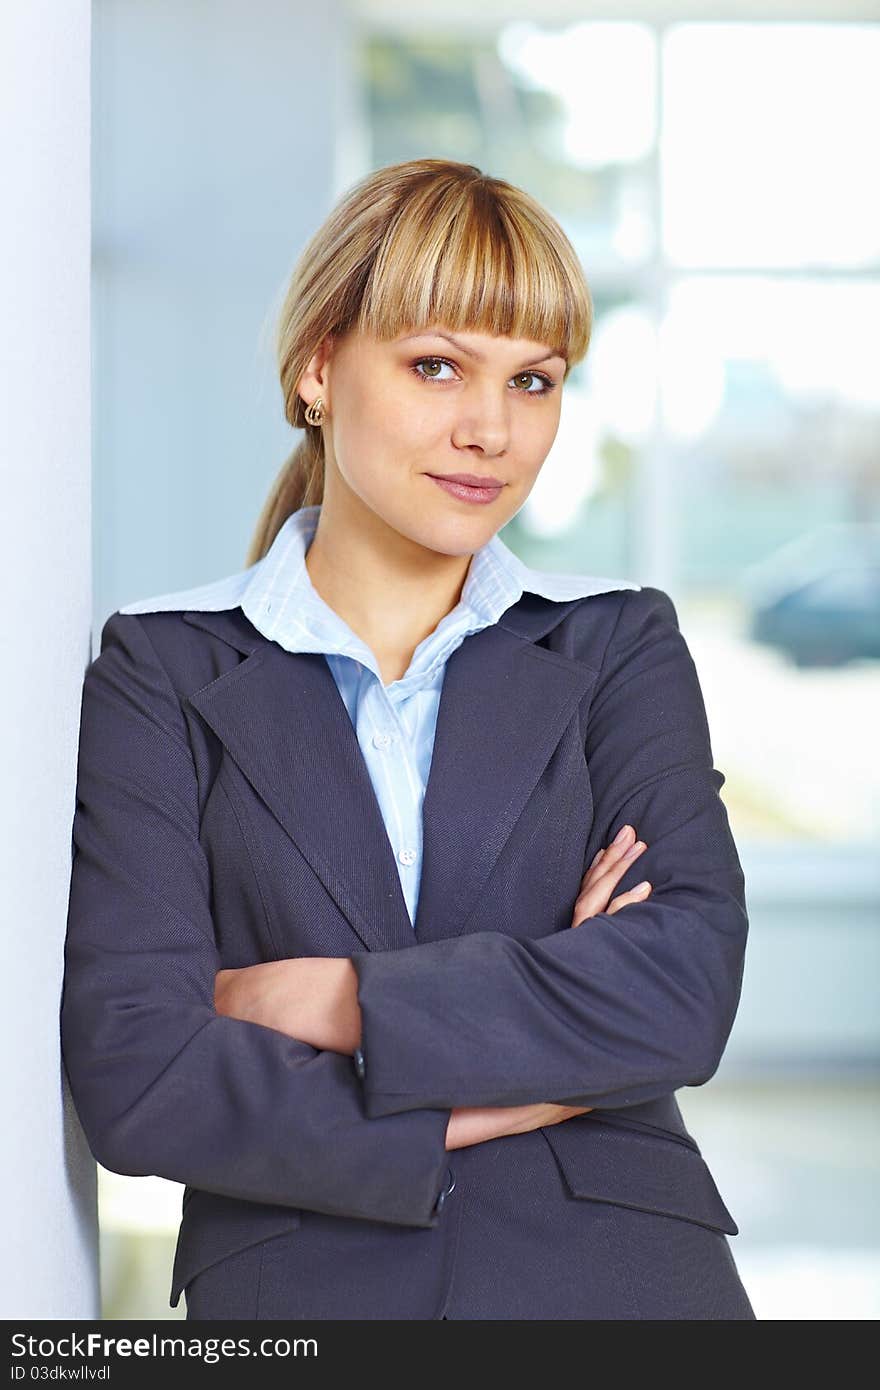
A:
(384, 739)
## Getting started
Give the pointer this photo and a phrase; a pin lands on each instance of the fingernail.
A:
(635, 849)
(642, 887)
(622, 834)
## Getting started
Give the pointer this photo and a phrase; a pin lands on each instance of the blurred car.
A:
(818, 599)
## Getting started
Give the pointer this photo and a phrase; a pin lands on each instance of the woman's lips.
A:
(465, 491)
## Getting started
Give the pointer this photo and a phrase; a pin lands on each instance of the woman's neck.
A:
(390, 591)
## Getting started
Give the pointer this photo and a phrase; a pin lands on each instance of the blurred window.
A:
(715, 180)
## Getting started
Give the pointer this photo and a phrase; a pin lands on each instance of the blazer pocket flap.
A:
(610, 1163)
(213, 1227)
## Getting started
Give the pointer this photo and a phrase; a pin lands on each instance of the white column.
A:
(48, 1266)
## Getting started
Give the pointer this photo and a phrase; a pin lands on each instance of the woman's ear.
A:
(315, 379)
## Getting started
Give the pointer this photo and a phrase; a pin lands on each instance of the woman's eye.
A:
(435, 364)
(545, 382)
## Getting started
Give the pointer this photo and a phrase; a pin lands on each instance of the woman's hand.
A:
(474, 1124)
(606, 870)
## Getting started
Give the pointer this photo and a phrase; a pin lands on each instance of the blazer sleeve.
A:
(163, 1084)
(627, 1006)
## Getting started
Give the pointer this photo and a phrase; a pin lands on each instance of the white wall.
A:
(223, 133)
(47, 1176)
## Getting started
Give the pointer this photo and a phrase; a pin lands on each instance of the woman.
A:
(362, 946)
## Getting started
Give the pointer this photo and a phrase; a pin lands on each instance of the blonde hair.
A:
(428, 241)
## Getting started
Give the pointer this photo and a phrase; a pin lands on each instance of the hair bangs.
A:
(468, 258)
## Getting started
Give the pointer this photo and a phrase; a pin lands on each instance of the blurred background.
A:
(712, 166)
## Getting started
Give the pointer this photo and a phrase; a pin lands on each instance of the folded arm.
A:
(314, 999)
(627, 1007)
(162, 1083)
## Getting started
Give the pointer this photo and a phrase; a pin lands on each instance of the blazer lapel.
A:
(281, 717)
(504, 705)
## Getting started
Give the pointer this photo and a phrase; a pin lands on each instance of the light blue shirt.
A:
(395, 723)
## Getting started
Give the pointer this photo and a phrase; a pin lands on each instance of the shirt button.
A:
(407, 856)
(359, 1063)
(381, 740)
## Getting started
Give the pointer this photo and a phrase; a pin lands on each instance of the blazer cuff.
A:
(440, 1186)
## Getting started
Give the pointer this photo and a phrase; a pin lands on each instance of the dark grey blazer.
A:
(225, 816)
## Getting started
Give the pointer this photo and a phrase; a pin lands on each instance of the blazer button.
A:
(359, 1063)
(450, 1187)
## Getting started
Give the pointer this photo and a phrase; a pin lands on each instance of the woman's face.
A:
(402, 413)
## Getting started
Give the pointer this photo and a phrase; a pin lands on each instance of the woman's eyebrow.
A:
(469, 352)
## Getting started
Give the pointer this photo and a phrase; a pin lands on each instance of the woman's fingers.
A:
(595, 900)
(606, 870)
(634, 895)
(613, 854)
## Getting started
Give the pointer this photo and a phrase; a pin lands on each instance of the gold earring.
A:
(315, 412)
